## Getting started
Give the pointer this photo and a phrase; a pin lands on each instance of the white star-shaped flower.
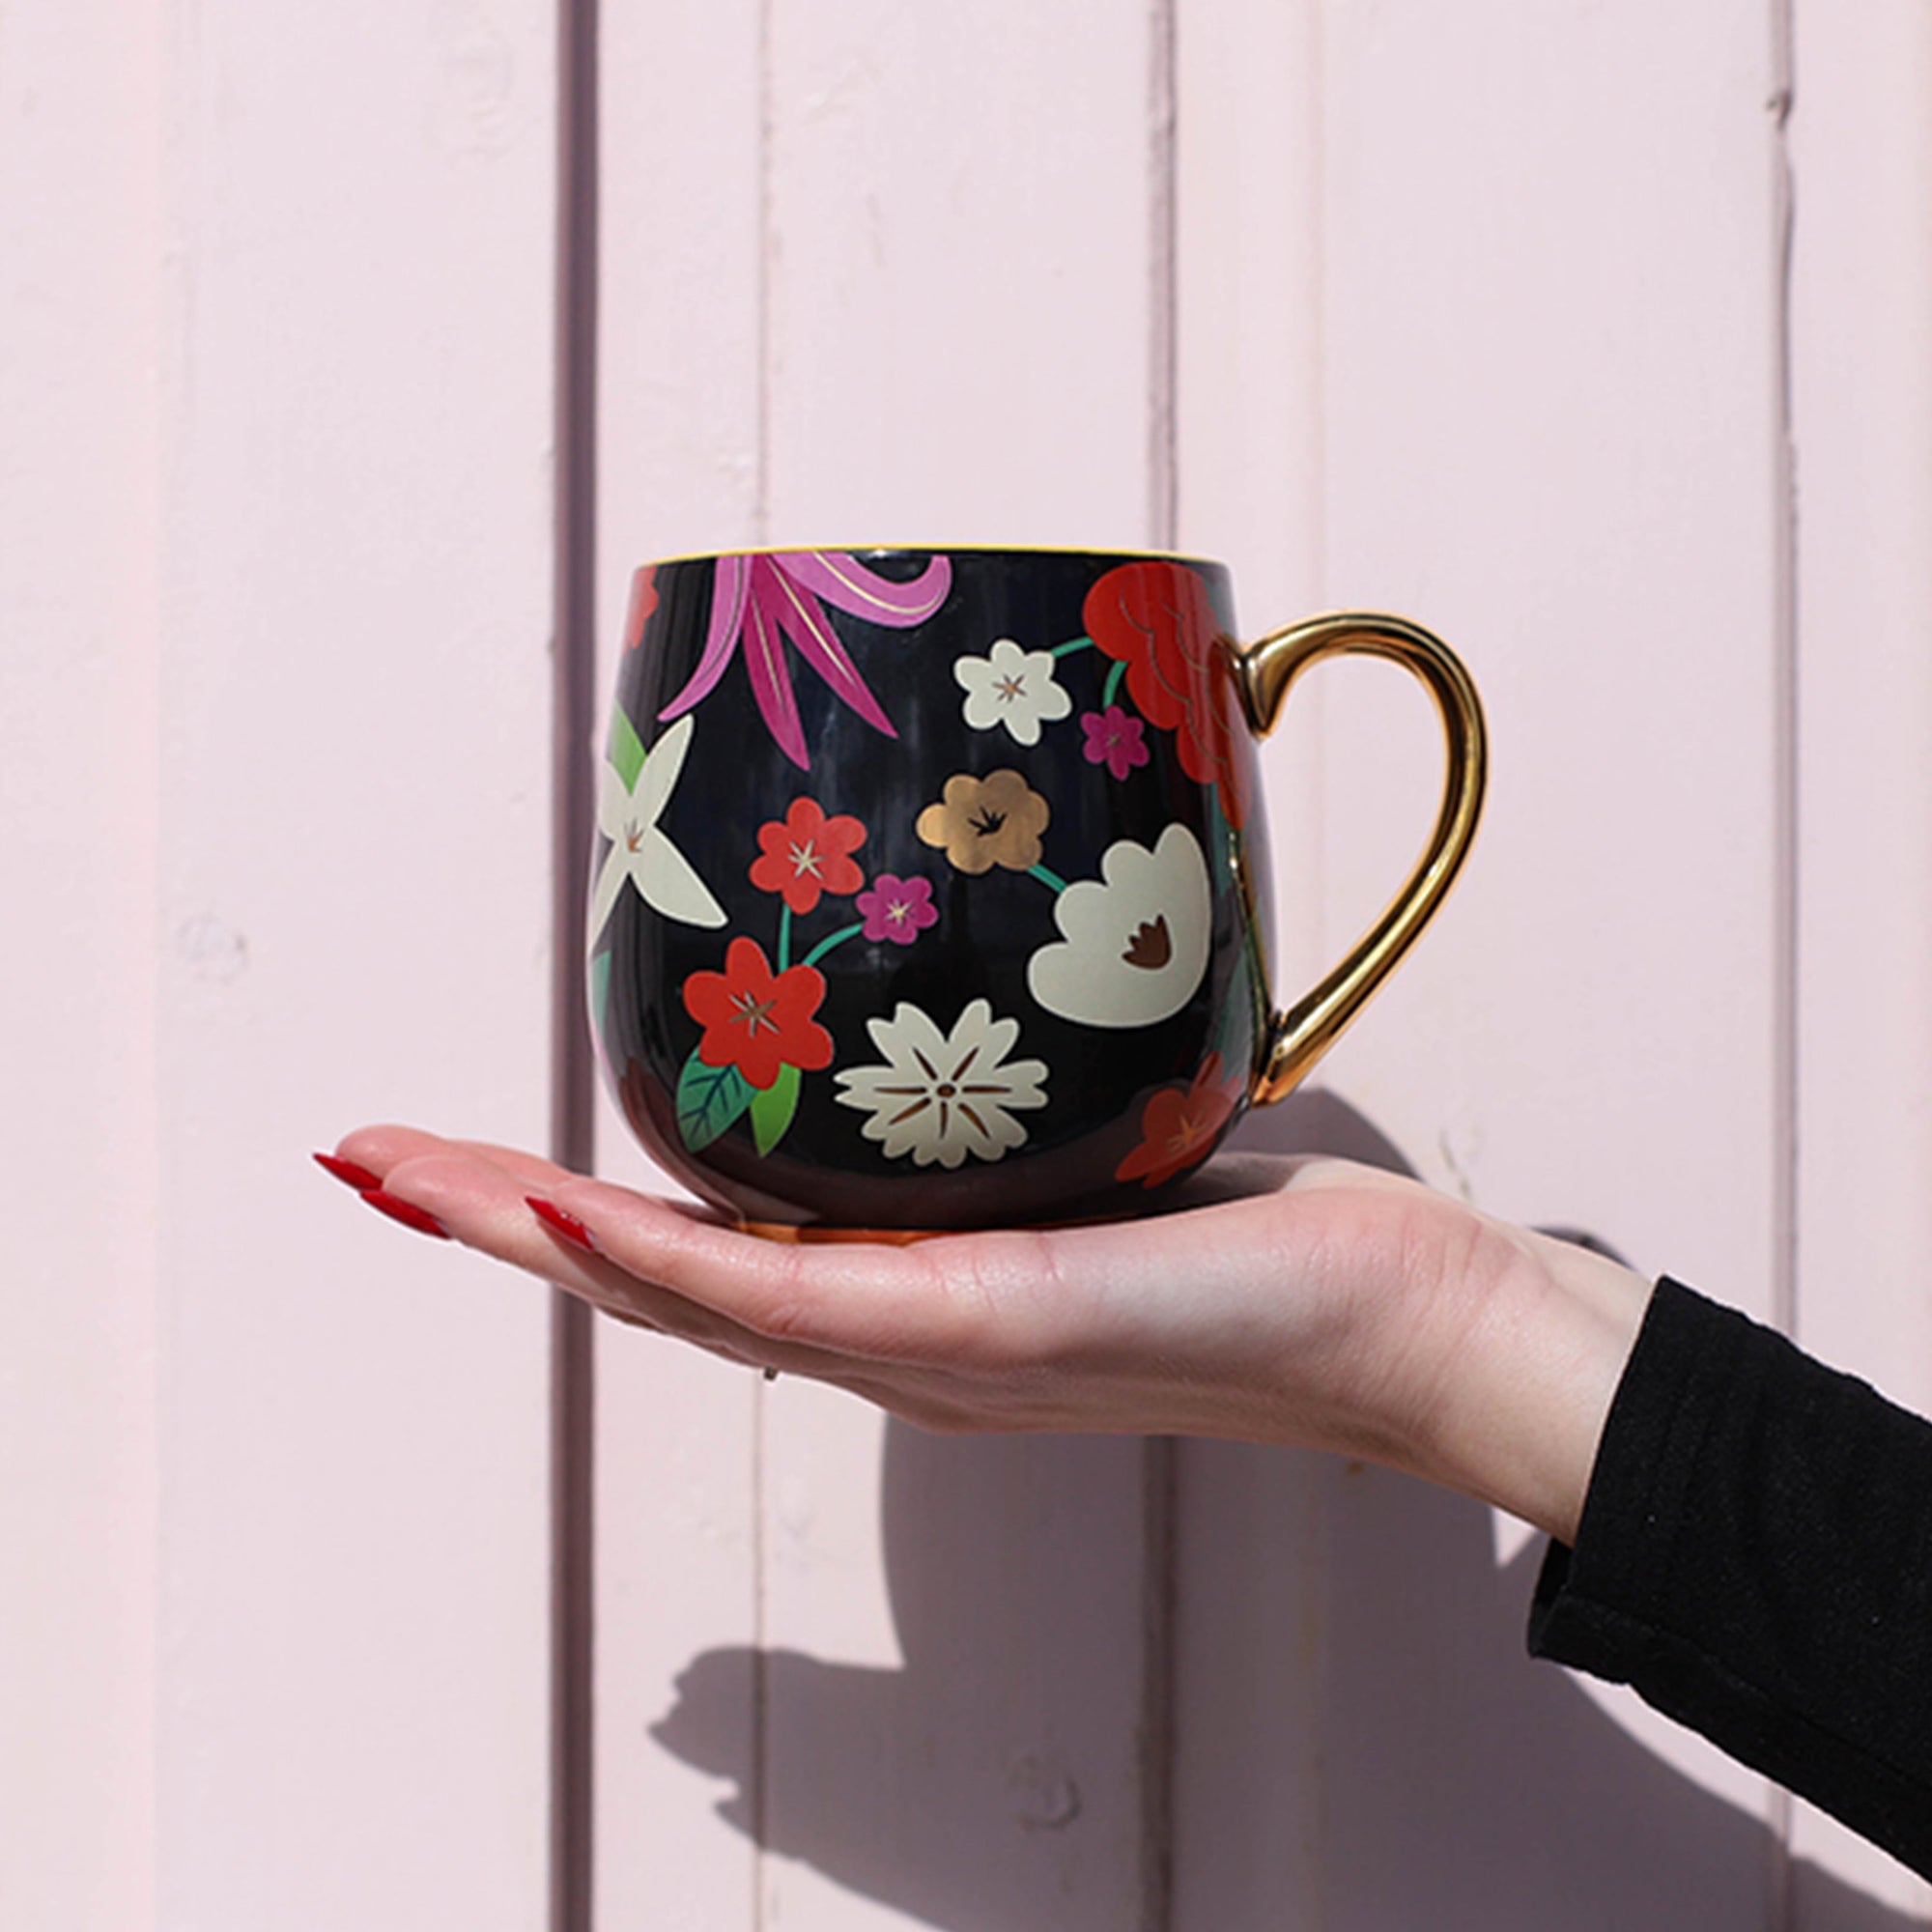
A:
(1013, 688)
(640, 852)
(943, 1095)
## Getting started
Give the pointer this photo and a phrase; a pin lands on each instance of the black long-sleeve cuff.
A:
(1755, 1558)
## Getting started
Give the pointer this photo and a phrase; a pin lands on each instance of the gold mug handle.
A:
(1264, 669)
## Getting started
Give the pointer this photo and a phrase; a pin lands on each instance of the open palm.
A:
(1308, 1300)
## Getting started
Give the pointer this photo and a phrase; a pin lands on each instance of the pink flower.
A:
(760, 601)
(898, 909)
(1114, 740)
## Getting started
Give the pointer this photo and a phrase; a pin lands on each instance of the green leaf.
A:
(627, 749)
(709, 1098)
(600, 990)
(772, 1110)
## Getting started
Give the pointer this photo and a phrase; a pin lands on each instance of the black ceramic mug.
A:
(932, 887)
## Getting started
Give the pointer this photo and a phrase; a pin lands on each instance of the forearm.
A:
(1757, 1561)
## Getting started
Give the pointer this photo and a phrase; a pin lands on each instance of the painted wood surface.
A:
(917, 1665)
(953, 352)
(1590, 336)
(1861, 426)
(1545, 301)
(285, 714)
(355, 409)
(1545, 423)
(78, 1314)
(679, 1435)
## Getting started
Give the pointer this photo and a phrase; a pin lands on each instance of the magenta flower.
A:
(898, 909)
(759, 600)
(1114, 740)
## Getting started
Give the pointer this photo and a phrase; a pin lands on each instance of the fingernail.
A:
(407, 1213)
(566, 1226)
(348, 1172)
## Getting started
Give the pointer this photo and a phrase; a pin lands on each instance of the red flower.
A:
(1155, 617)
(755, 1020)
(643, 601)
(806, 854)
(1180, 1127)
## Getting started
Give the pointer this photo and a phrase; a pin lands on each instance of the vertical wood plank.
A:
(1249, 420)
(1553, 433)
(960, 339)
(960, 320)
(1543, 322)
(681, 274)
(78, 300)
(1860, 138)
(352, 810)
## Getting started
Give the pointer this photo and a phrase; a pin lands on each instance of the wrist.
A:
(1527, 1389)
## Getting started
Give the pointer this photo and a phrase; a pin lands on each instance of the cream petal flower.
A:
(943, 1095)
(640, 851)
(1135, 941)
(1013, 688)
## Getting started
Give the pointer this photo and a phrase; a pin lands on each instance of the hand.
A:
(1306, 1301)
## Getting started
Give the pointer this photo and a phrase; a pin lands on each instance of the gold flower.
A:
(984, 822)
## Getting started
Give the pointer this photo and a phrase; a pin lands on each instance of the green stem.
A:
(1114, 677)
(1047, 878)
(784, 939)
(1078, 644)
(826, 945)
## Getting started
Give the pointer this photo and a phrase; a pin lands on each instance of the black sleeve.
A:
(1755, 1557)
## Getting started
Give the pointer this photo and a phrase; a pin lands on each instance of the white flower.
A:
(1135, 946)
(1013, 688)
(640, 851)
(941, 1097)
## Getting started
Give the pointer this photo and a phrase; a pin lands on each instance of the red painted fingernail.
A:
(567, 1226)
(407, 1213)
(349, 1173)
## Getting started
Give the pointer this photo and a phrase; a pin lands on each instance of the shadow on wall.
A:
(1365, 1744)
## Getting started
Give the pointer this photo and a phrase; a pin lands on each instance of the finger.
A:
(951, 1300)
(378, 1149)
(481, 1204)
(472, 1197)
(376, 1152)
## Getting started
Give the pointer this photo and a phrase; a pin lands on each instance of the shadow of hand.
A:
(1361, 1740)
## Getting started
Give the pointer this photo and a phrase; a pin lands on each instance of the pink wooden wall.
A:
(1594, 336)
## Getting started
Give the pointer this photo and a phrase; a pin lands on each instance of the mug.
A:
(932, 887)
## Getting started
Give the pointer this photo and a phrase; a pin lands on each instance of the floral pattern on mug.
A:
(1013, 688)
(643, 601)
(641, 854)
(1155, 618)
(755, 1020)
(897, 909)
(1135, 941)
(759, 602)
(1114, 740)
(759, 1033)
(1179, 1126)
(941, 1097)
(806, 855)
(979, 823)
